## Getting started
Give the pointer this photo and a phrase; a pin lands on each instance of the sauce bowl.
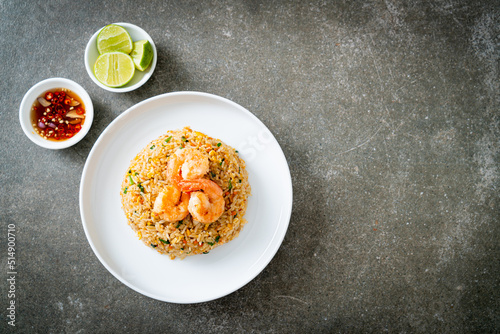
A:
(31, 96)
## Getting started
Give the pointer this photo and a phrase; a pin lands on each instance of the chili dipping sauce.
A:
(58, 114)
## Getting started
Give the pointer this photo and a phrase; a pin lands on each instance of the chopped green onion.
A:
(164, 241)
(152, 147)
(140, 187)
(131, 180)
(230, 185)
(210, 243)
(125, 190)
(240, 180)
(217, 238)
(236, 151)
(154, 246)
(213, 174)
(184, 139)
(219, 144)
(205, 252)
(222, 161)
(168, 139)
(179, 224)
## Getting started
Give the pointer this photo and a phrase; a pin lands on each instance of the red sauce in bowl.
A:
(58, 114)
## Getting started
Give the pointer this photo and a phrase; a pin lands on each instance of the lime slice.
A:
(114, 38)
(114, 69)
(142, 54)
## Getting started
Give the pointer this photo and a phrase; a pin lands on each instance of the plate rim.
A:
(287, 208)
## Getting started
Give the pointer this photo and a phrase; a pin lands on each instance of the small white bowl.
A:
(40, 88)
(140, 78)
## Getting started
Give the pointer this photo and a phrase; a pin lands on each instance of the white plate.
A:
(202, 277)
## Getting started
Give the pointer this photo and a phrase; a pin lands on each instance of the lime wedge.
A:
(114, 69)
(114, 38)
(142, 54)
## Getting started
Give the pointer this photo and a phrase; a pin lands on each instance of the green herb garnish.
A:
(184, 139)
(222, 161)
(217, 238)
(219, 144)
(154, 246)
(210, 243)
(131, 180)
(230, 185)
(125, 190)
(152, 147)
(140, 187)
(168, 139)
(164, 241)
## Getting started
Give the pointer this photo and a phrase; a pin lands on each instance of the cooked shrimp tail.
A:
(206, 203)
(187, 163)
(171, 204)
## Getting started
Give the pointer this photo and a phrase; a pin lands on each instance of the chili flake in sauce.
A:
(58, 114)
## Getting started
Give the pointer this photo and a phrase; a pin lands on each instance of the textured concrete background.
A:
(388, 115)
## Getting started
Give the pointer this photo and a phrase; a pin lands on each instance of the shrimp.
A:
(205, 206)
(188, 163)
(171, 204)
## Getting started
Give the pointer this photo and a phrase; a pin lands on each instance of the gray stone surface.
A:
(388, 115)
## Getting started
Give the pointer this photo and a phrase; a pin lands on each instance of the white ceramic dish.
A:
(140, 78)
(202, 277)
(40, 88)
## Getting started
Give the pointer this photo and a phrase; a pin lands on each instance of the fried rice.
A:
(146, 177)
